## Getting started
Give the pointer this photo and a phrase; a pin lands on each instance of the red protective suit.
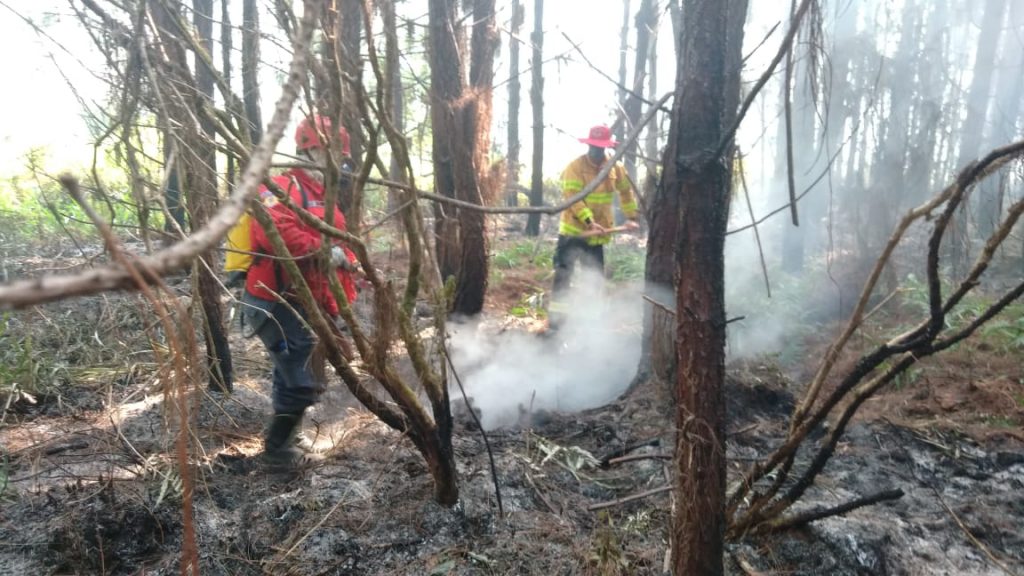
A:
(301, 240)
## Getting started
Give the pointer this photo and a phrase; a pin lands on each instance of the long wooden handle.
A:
(612, 230)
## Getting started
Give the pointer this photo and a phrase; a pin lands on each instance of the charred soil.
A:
(89, 483)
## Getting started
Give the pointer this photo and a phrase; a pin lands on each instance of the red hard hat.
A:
(312, 129)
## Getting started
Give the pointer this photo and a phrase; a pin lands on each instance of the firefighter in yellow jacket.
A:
(581, 236)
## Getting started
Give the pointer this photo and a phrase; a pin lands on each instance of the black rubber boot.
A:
(279, 448)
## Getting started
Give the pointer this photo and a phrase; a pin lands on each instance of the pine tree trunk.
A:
(461, 120)
(646, 20)
(514, 89)
(202, 203)
(977, 110)
(651, 138)
(393, 72)
(705, 92)
(537, 104)
(476, 123)
(250, 67)
(1001, 129)
(619, 127)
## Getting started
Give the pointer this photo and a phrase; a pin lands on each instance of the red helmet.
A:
(312, 129)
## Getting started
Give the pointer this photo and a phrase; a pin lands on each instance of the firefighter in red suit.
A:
(282, 331)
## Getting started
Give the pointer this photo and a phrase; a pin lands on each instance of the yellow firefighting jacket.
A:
(596, 207)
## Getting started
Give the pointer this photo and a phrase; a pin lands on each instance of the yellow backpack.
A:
(239, 239)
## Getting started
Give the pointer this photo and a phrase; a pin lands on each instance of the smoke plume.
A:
(587, 363)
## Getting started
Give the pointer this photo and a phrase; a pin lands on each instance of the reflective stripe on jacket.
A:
(301, 240)
(597, 206)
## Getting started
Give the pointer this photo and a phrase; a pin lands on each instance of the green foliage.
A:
(530, 306)
(625, 262)
(34, 206)
(5, 480)
(524, 253)
(1006, 332)
(24, 372)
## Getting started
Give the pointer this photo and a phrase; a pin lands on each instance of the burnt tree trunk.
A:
(201, 195)
(537, 105)
(512, 188)
(461, 118)
(446, 81)
(707, 90)
(476, 124)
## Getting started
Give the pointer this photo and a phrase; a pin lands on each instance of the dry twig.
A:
(981, 545)
(630, 498)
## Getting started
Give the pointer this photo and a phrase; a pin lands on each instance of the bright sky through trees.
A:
(44, 112)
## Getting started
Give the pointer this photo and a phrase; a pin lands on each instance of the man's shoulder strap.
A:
(302, 192)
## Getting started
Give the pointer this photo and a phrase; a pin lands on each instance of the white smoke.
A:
(587, 363)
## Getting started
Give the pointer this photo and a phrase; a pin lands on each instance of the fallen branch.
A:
(805, 518)
(634, 457)
(547, 503)
(630, 498)
(618, 452)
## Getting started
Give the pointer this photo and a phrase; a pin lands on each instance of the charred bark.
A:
(460, 113)
(701, 181)
(202, 203)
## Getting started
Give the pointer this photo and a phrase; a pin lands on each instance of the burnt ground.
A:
(89, 483)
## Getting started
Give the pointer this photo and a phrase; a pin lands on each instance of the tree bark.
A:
(461, 136)
(646, 20)
(703, 93)
(250, 67)
(202, 202)
(1005, 113)
(471, 287)
(393, 72)
(537, 105)
(226, 71)
(651, 139)
(351, 31)
(977, 111)
(514, 89)
(619, 127)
